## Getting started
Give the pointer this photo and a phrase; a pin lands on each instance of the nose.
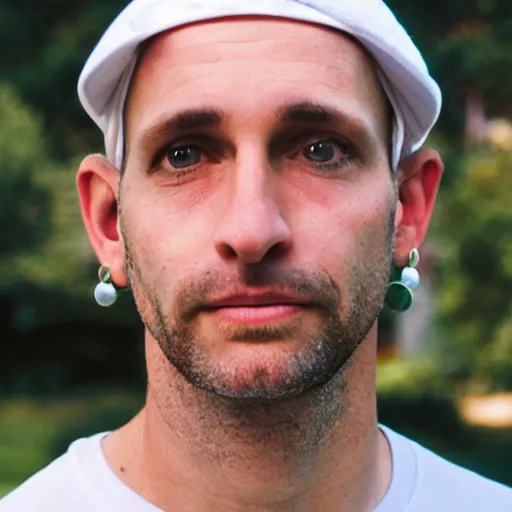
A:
(252, 227)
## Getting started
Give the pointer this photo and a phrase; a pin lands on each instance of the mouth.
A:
(255, 309)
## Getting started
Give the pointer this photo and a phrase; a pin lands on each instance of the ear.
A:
(419, 177)
(98, 189)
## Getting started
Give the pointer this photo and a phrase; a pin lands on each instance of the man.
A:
(263, 173)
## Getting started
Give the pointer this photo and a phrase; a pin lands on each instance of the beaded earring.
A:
(400, 293)
(105, 292)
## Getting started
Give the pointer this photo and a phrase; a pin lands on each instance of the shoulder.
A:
(460, 486)
(60, 487)
(52, 489)
(442, 485)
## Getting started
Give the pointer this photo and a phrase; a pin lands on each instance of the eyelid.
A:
(200, 142)
(340, 153)
(341, 144)
(336, 139)
(345, 155)
(293, 142)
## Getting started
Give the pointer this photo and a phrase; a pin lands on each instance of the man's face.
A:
(257, 203)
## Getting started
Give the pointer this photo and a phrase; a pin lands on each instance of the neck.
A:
(189, 450)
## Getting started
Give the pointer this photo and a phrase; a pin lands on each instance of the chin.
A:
(265, 372)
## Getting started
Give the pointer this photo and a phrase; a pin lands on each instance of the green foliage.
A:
(475, 303)
(44, 46)
(33, 433)
(23, 204)
(413, 397)
(411, 378)
(49, 271)
(467, 45)
(495, 364)
(44, 241)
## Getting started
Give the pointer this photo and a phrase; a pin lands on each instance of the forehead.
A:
(251, 66)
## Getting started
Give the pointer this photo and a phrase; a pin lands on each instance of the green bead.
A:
(414, 258)
(399, 297)
(107, 278)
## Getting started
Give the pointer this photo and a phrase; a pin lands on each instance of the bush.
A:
(415, 398)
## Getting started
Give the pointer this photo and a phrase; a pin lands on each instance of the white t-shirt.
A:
(82, 481)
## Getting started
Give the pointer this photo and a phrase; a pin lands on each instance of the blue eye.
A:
(320, 152)
(325, 152)
(184, 156)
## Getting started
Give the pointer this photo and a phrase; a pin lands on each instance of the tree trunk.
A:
(476, 122)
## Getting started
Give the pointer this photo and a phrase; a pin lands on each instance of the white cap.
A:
(414, 95)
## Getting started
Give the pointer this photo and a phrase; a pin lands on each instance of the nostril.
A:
(277, 251)
(227, 251)
(251, 253)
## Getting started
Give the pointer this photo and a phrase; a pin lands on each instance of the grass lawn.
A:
(5, 488)
(32, 433)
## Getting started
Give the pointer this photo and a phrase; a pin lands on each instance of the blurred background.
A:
(69, 368)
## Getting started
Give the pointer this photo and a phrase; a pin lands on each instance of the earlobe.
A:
(98, 182)
(419, 179)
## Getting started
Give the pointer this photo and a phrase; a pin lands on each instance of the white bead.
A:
(105, 294)
(411, 278)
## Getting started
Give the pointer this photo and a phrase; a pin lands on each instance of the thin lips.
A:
(256, 300)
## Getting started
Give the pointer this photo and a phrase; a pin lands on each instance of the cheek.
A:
(345, 231)
(334, 225)
(166, 238)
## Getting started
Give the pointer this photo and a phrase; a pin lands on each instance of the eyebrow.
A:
(192, 119)
(308, 112)
(301, 112)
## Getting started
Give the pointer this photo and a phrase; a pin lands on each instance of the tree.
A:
(44, 46)
(468, 45)
(475, 303)
(24, 206)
